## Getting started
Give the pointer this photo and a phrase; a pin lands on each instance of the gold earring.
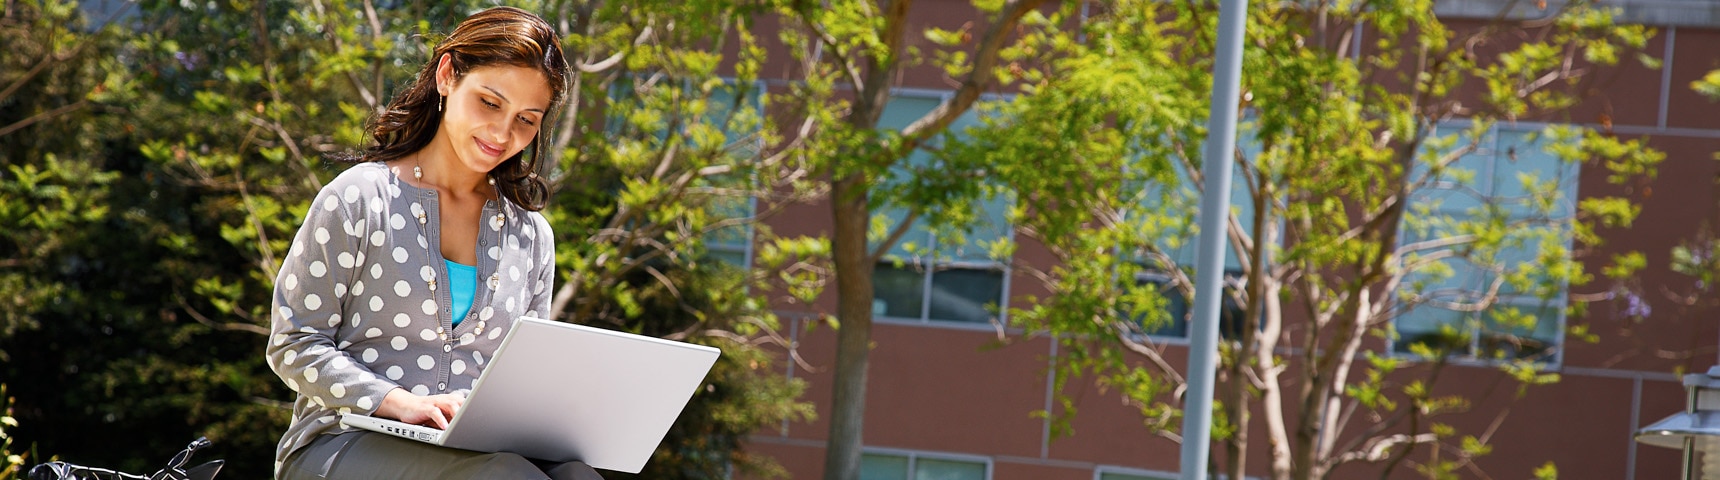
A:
(440, 100)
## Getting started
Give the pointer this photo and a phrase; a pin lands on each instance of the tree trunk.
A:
(854, 334)
(1236, 450)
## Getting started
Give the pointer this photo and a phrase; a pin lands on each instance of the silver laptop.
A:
(561, 392)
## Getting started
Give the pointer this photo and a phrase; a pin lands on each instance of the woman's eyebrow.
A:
(505, 98)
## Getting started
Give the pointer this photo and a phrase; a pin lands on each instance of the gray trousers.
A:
(371, 455)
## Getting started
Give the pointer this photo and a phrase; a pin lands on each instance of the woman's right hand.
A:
(430, 411)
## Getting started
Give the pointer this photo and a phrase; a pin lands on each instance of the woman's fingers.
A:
(437, 419)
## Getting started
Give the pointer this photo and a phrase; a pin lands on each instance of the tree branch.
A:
(895, 235)
(62, 110)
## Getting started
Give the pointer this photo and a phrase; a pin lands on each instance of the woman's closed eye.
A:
(494, 106)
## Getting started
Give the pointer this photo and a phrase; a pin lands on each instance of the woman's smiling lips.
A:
(487, 148)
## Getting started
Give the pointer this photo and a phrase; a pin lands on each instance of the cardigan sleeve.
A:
(543, 283)
(308, 309)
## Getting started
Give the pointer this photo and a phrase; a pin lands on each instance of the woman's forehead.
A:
(525, 87)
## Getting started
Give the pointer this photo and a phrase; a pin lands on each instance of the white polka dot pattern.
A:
(367, 226)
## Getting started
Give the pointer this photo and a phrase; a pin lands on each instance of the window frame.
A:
(745, 248)
(1100, 471)
(929, 269)
(1476, 355)
(913, 457)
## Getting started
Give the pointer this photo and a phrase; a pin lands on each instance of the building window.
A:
(735, 111)
(894, 465)
(1180, 308)
(933, 275)
(1510, 178)
(1119, 473)
(1178, 238)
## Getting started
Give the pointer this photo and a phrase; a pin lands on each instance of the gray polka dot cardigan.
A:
(361, 301)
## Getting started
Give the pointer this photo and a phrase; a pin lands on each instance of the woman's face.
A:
(492, 113)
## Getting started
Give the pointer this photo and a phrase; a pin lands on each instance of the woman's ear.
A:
(445, 74)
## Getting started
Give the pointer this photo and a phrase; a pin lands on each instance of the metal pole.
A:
(1209, 259)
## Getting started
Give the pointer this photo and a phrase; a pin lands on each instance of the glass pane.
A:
(898, 292)
(1176, 305)
(737, 258)
(723, 208)
(1523, 153)
(993, 225)
(1241, 204)
(1437, 328)
(903, 110)
(1528, 331)
(1463, 184)
(1520, 259)
(883, 467)
(966, 295)
(936, 469)
(917, 236)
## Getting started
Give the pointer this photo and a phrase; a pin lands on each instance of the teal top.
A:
(462, 286)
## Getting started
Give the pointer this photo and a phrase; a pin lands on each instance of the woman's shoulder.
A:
(367, 175)
(360, 181)
(358, 186)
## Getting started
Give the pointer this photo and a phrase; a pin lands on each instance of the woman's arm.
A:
(307, 313)
(543, 281)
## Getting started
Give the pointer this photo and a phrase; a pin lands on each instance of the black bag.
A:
(175, 469)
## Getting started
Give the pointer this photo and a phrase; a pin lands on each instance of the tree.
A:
(849, 56)
(210, 168)
(667, 157)
(54, 75)
(1360, 215)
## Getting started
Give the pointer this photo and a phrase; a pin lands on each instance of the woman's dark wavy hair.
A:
(500, 36)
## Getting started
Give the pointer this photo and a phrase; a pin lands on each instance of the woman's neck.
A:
(436, 168)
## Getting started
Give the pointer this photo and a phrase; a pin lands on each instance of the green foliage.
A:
(11, 464)
(1708, 85)
(1341, 205)
(154, 214)
(1547, 471)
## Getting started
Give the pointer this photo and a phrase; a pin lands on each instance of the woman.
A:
(411, 264)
